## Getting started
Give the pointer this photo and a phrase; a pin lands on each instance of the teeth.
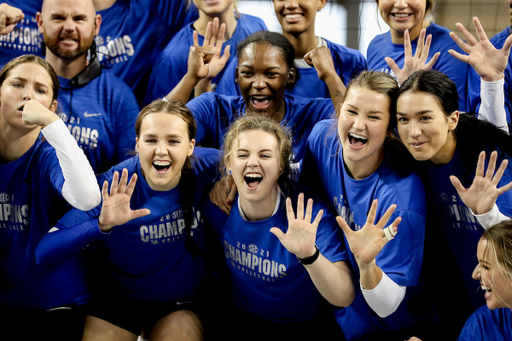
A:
(260, 97)
(293, 16)
(255, 176)
(161, 163)
(401, 15)
(358, 136)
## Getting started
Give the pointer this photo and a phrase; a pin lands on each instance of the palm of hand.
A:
(366, 243)
(116, 209)
(300, 237)
(487, 60)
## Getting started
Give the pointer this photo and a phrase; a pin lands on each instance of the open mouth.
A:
(21, 107)
(357, 141)
(488, 291)
(293, 17)
(253, 179)
(401, 15)
(161, 167)
(260, 102)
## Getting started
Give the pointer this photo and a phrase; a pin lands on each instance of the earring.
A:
(230, 172)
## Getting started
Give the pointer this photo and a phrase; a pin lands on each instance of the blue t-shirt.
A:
(31, 202)
(147, 254)
(266, 279)
(401, 259)
(25, 37)
(171, 65)
(488, 325)
(460, 228)
(347, 62)
(102, 118)
(134, 32)
(381, 46)
(474, 79)
(214, 114)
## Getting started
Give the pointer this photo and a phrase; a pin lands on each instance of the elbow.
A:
(89, 201)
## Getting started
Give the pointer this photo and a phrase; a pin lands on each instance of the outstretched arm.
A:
(489, 63)
(481, 196)
(380, 292)
(416, 62)
(333, 280)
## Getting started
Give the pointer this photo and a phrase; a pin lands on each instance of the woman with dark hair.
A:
(265, 70)
(43, 172)
(449, 144)
(275, 294)
(152, 256)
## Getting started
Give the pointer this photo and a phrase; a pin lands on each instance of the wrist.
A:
(310, 259)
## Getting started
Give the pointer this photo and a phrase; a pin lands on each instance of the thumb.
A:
(392, 65)
(457, 184)
(277, 232)
(343, 224)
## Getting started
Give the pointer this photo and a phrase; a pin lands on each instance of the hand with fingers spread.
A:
(223, 194)
(487, 61)
(300, 237)
(416, 62)
(481, 196)
(9, 18)
(116, 205)
(366, 243)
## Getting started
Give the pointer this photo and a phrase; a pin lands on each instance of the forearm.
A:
(183, 89)
(204, 85)
(385, 297)
(491, 218)
(336, 90)
(492, 107)
(333, 281)
(80, 187)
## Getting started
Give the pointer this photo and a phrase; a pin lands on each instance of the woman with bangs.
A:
(150, 260)
(43, 172)
(355, 162)
(282, 254)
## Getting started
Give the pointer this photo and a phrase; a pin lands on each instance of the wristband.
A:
(310, 259)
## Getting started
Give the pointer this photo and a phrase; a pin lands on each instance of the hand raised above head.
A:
(9, 18)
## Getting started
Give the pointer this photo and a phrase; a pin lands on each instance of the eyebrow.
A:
(422, 112)
(259, 151)
(168, 136)
(268, 68)
(371, 112)
(22, 79)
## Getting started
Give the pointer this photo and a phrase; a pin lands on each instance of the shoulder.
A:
(495, 324)
(499, 39)
(378, 40)
(342, 52)
(247, 20)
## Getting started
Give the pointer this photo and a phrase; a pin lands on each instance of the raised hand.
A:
(416, 62)
(481, 196)
(366, 243)
(116, 205)
(214, 39)
(9, 18)
(300, 237)
(34, 113)
(487, 61)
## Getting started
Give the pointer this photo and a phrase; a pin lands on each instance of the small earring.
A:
(230, 172)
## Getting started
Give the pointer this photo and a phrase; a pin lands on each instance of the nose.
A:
(69, 24)
(259, 82)
(359, 122)
(400, 3)
(477, 273)
(252, 161)
(161, 148)
(291, 4)
(415, 130)
(28, 93)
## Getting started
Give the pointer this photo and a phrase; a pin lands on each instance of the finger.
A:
(505, 188)
(343, 225)
(479, 29)
(140, 213)
(307, 59)
(309, 211)
(208, 34)
(131, 184)
(227, 54)
(300, 207)
(432, 61)
(457, 184)
(318, 218)
(373, 212)
(289, 209)
(195, 38)
(506, 46)
(220, 37)
(277, 232)
(462, 57)
(104, 190)
(492, 165)
(384, 220)
(392, 65)
(207, 56)
(115, 183)
(499, 173)
(215, 31)
(467, 35)
(426, 49)
(407, 44)
(124, 181)
(462, 44)
(480, 165)
(232, 194)
(421, 43)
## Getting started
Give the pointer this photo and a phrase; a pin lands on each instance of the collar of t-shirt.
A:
(301, 63)
(278, 201)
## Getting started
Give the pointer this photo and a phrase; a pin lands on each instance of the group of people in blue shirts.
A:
(173, 170)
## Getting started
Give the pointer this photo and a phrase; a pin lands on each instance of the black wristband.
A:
(310, 259)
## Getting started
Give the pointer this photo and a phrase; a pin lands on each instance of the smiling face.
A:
(403, 15)
(68, 27)
(262, 75)
(214, 7)
(362, 129)
(163, 146)
(255, 165)
(297, 16)
(498, 289)
(424, 128)
(25, 82)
